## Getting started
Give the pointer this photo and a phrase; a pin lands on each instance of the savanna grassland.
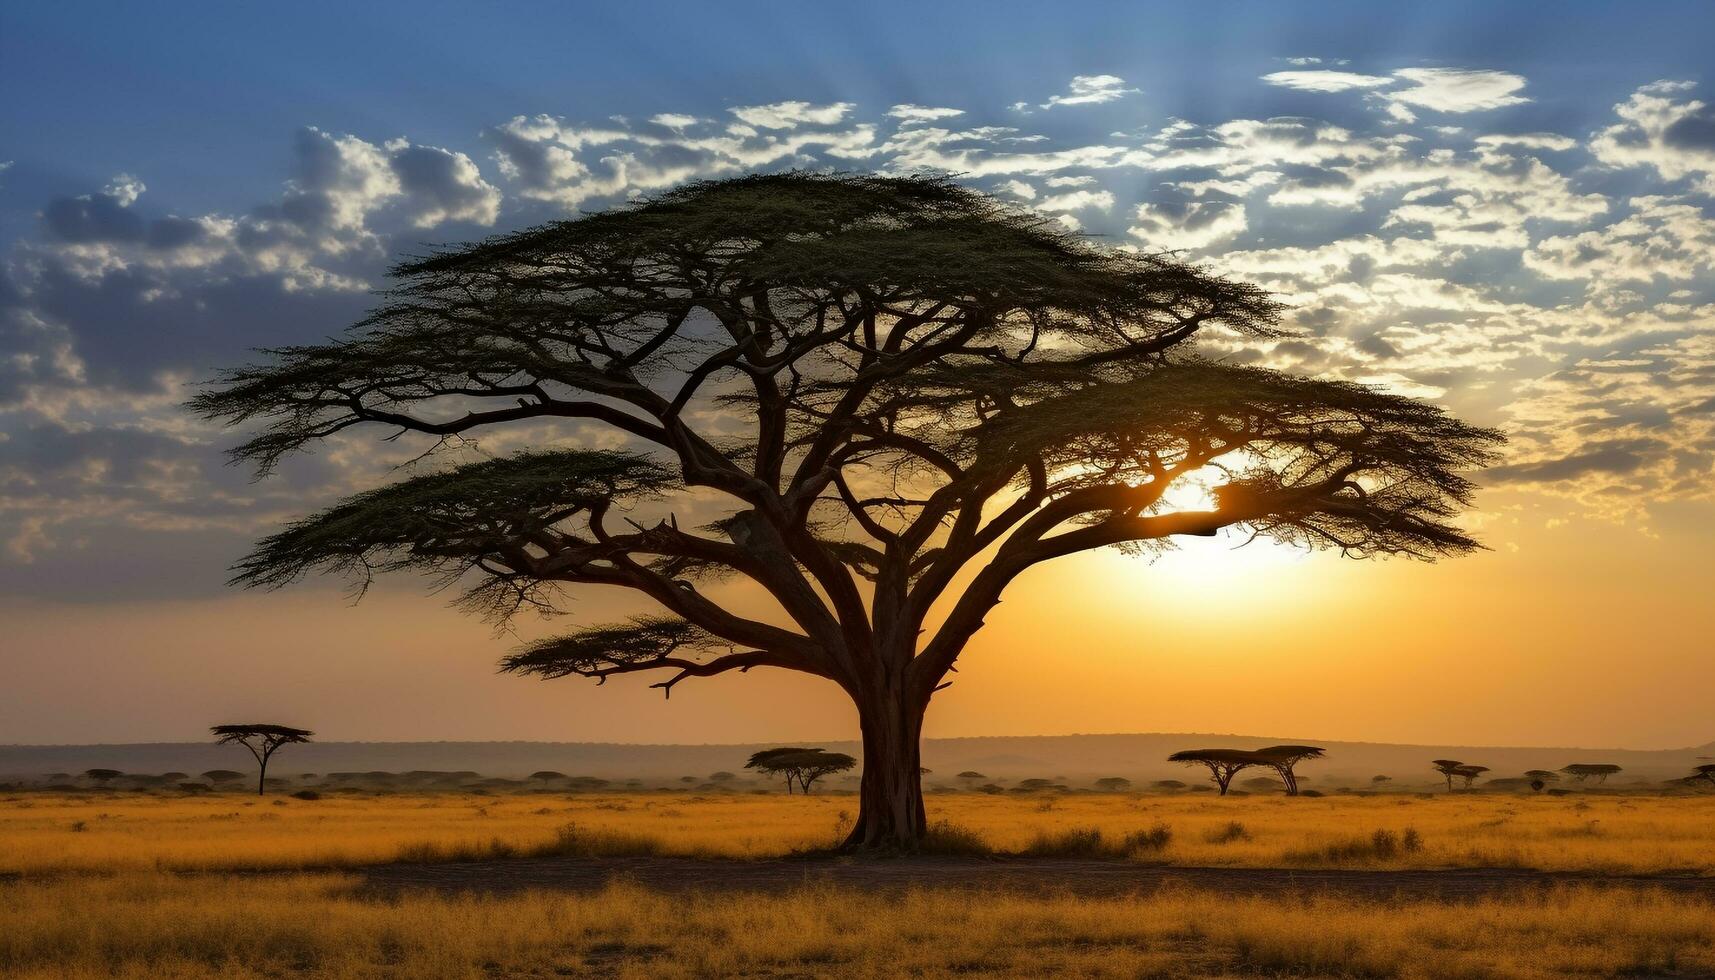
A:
(1613, 834)
(139, 885)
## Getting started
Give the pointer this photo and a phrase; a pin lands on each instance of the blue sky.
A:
(1485, 203)
(1508, 208)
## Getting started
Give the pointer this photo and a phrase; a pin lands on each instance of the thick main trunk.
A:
(890, 807)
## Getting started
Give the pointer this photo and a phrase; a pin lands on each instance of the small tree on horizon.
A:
(262, 741)
(1470, 773)
(1113, 784)
(896, 394)
(102, 776)
(1705, 773)
(219, 776)
(1223, 764)
(546, 776)
(1448, 768)
(1282, 759)
(1599, 771)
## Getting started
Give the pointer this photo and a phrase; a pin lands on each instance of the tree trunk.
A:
(262, 777)
(890, 808)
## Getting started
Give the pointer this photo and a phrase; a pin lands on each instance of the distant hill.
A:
(1074, 757)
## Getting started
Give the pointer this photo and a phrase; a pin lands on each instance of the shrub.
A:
(571, 840)
(948, 839)
(1233, 831)
(306, 794)
(1073, 842)
(1153, 840)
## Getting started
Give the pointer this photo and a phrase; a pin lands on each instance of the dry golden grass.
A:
(1611, 834)
(153, 925)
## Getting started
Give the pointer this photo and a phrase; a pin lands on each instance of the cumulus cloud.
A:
(1663, 238)
(1659, 131)
(789, 115)
(1192, 225)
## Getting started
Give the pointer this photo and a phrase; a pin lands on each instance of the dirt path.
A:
(1042, 876)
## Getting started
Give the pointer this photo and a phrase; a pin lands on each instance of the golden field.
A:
(148, 924)
(43, 832)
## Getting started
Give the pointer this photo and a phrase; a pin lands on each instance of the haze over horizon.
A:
(1521, 231)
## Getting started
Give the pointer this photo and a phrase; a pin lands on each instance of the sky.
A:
(1505, 208)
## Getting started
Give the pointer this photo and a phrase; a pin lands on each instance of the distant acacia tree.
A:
(262, 741)
(800, 765)
(899, 393)
(1448, 768)
(1113, 784)
(1282, 759)
(547, 776)
(102, 776)
(1378, 780)
(1470, 773)
(1599, 771)
(1705, 773)
(1223, 764)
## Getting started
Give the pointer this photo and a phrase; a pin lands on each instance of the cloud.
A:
(789, 115)
(911, 114)
(1193, 225)
(1325, 81)
(1663, 238)
(1091, 90)
(1528, 141)
(1454, 90)
(1674, 138)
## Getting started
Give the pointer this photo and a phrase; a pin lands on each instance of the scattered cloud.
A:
(1091, 90)
(1321, 80)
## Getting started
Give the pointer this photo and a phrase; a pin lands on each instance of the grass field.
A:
(152, 925)
(42, 832)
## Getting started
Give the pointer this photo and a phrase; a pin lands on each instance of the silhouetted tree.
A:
(218, 776)
(1599, 771)
(1113, 784)
(1282, 759)
(895, 381)
(1378, 780)
(1168, 784)
(547, 776)
(804, 766)
(262, 741)
(1448, 768)
(1703, 772)
(971, 775)
(1223, 764)
(102, 776)
(1470, 773)
(721, 777)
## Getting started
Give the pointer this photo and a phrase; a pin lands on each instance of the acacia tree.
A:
(902, 394)
(1704, 772)
(1282, 759)
(804, 766)
(1470, 773)
(262, 741)
(1599, 771)
(1448, 768)
(1223, 764)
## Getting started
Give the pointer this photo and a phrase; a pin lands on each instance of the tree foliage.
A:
(262, 741)
(1599, 771)
(886, 395)
(798, 765)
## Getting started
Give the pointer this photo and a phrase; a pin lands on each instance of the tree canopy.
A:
(262, 741)
(867, 396)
